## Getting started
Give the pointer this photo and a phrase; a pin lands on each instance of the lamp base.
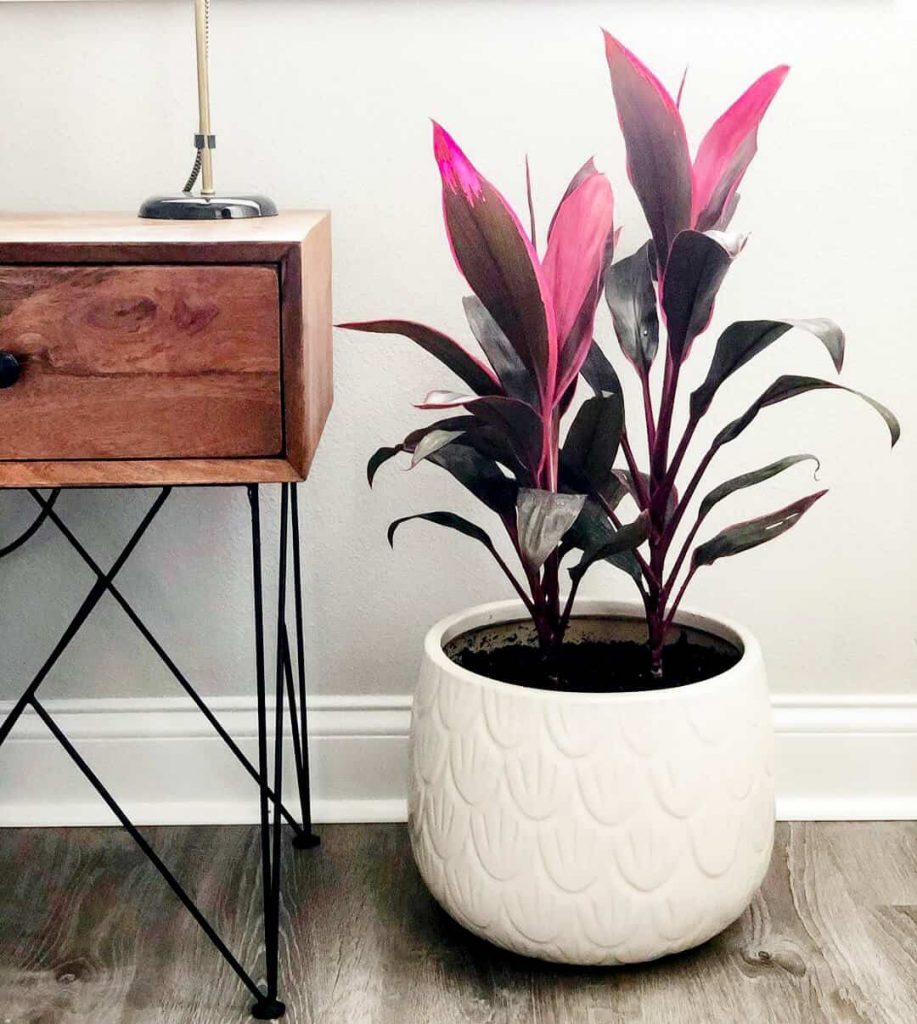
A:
(187, 206)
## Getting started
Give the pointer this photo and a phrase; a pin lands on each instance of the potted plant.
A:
(591, 781)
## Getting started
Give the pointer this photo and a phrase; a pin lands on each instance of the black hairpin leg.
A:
(305, 839)
(273, 812)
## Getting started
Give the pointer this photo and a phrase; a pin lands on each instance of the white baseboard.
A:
(839, 758)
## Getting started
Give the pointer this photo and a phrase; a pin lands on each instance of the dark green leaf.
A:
(518, 421)
(447, 519)
(631, 297)
(480, 475)
(743, 340)
(473, 372)
(515, 378)
(457, 423)
(697, 265)
(598, 372)
(592, 441)
(542, 519)
(494, 444)
(756, 476)
(747, 535)
(379, 458)
(627, 539)
(591, 531)
(790, 386)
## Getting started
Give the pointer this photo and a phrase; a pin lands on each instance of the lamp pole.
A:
(186, 205)
(205, 136)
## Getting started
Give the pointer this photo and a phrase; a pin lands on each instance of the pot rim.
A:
(497, 612)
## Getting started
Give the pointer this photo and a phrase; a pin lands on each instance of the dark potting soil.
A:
(596, 666)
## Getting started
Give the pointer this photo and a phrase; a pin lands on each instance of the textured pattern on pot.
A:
(591, 828)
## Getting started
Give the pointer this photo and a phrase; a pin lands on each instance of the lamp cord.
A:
(195, 171)
(199, 157)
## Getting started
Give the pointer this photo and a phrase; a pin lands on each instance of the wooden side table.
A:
(158, 354)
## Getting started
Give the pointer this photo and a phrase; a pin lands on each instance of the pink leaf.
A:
(658, 163)
(498, 260)
(726, 151)
(573, 265)
(586, 171)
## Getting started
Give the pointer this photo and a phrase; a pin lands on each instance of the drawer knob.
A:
(9, 369)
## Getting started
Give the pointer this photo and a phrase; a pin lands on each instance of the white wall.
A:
(326, 104)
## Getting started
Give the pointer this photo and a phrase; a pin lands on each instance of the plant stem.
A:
(648, 411)
(681, 593)
(517, 586)
(673, 575)
(616, 522)
(643, 497)
(672, 525)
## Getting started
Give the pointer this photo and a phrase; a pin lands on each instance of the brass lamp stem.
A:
(187, 205)
(201, 11)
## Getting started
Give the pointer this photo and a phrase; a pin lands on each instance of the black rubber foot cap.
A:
(306, 841)
(268, 1009)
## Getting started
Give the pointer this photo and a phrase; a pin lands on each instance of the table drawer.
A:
(141, 362)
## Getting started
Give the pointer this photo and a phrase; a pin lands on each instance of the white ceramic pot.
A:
(591, 828)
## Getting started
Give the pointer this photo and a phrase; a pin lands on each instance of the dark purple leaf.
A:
(498, 260)
(594, 530)
(756, 476)
(379, 458)
(658, 163)
(480, 475)
(790, 386)
(516, 380)
(744, 339)
(697, 265)
(598, 372)
(627, 539)
(449, 520)
(744, 536)
(464, 365)
(591, 445)
(518, 421)
(631, 297)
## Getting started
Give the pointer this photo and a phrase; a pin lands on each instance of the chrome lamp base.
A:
(187, 206)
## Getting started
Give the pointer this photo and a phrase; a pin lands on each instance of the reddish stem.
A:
(648, 411)
(643, 497)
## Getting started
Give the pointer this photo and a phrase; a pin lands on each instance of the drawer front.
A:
(136, 362)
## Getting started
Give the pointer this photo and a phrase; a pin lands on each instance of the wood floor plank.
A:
(89, 934)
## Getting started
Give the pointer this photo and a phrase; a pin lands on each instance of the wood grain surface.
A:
(141, 362)
(164, 351)
(90, 935)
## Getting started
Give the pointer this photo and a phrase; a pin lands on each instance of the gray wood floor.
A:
(88, 933)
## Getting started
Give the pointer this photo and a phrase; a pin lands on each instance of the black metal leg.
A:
(306, 839)
(144, 845)
(268, 1005)
(92, 599)
(47, 507)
